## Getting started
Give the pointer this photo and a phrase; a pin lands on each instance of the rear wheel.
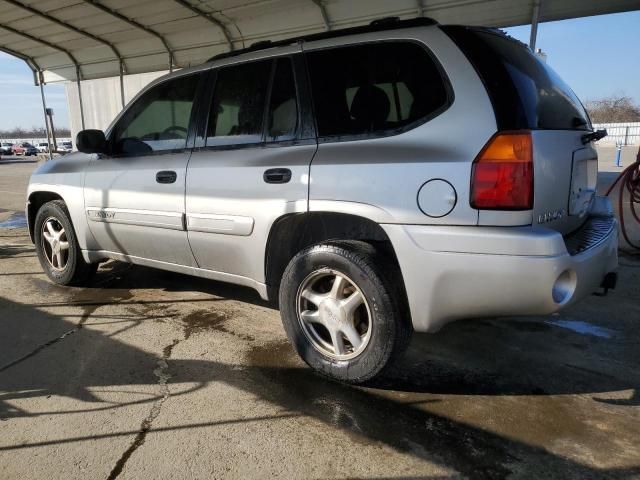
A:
(342, 311)
(57, 246)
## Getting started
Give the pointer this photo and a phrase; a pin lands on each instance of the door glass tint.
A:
(283, 105)
(374, 89)
(157, 121)
(239, 98)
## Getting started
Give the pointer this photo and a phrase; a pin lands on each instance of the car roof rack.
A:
(378, 25)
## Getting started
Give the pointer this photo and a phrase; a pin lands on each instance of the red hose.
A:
(629, 180)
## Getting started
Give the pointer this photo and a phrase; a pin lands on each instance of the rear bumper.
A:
(463, 272)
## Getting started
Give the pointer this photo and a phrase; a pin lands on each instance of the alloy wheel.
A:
(55, 243)
(334, 314)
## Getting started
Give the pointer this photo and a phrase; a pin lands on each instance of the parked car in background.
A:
(24, 148)
(65, 147)
(6, 148)
(43, 147)
(372, 184)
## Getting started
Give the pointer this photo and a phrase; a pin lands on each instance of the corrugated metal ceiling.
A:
(98, 38)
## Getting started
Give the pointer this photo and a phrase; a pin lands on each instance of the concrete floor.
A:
(151, 374)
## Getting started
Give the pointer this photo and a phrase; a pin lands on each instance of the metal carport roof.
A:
(87, 39)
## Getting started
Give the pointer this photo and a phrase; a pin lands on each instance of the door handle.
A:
(166, 176)
(277, 175)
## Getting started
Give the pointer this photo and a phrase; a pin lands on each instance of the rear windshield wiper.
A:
(593, 136)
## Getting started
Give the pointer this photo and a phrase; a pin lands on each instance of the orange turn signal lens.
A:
(502, 173)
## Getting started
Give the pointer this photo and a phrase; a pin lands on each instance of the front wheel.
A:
(57, 246)
(343, 312)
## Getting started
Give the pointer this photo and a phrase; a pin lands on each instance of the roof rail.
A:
(378, 25)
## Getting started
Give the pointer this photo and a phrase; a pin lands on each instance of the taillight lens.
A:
(502, 173)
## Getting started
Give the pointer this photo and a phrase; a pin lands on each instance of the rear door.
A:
(134, 197)
(527, 94)
(250, 165)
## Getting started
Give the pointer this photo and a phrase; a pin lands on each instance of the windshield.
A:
(525, 92)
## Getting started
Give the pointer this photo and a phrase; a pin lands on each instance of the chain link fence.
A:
(620, 133)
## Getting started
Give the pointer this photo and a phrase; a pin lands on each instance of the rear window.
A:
(375, 89)
(525, 92)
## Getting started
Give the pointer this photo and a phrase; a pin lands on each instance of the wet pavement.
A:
(149, 374)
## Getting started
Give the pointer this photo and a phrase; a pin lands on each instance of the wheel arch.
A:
(34, 202)
(292, 233)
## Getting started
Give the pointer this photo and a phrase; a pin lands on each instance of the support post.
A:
(122, 83)
(53, 129)
(535, 17)
(80, 95)
(44, 113)
(626, 135)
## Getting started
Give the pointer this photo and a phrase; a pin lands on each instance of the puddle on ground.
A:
(15, 220)
(274, 354)
(583, 328)
(203, 320)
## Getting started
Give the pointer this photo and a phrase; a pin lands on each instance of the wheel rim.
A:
(334, 314)
(55, 243)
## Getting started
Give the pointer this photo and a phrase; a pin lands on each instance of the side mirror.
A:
(91, 141)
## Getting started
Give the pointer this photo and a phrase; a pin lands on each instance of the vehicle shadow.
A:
(119, 275)
(514, 357)
(8, 251)
(10, 162)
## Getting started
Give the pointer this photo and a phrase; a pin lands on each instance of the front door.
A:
(134, 197)
(253, 165)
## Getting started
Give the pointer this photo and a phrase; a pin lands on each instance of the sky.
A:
(20, 102)
(597, 56)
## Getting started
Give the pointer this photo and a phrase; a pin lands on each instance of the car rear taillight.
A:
(502, 173)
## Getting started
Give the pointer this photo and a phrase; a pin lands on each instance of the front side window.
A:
(158, 121)
(374, 89)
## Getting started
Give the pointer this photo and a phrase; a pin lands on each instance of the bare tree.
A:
(614, 109)
(33, 132)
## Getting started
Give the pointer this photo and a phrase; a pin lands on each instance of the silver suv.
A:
(373, 181)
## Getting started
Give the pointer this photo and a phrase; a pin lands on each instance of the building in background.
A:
(101, 99)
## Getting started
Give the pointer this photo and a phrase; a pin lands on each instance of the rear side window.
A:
(375, 89)
(239, 98)
(525, 92)
(283, 105)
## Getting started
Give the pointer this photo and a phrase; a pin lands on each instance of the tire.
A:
(73, 270)
(380, 321)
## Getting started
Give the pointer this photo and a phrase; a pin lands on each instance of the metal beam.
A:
(68, 26)
(137, 25)
(208, 16)
(31, 63)
(535, 17)
(323, 12)
(42, 41)
(55, 47)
